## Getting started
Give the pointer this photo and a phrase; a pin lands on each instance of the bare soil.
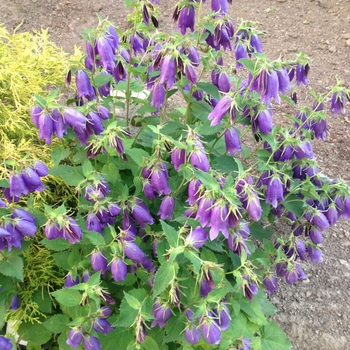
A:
(314, 313)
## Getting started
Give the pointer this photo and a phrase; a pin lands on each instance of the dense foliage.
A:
(197, 191)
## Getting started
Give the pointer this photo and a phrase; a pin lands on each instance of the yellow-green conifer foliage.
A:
(29, 64)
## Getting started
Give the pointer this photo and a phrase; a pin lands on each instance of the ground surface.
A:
(315, 313)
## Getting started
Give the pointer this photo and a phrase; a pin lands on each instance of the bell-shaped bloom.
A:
(141, 214)
(224, 84)
(193, 56)
(98, 261)
(246, 344)
(283, 80)
(253, 207)
(118, 270)
(194, 191)
(92, 343)
(211, 331)
(320, 221)
(70, 280)
(218, 221)
(95, 123)
(45, 125)
(197, 237)
(264, 121)
(332, 214)
(186, 19)
(255, 44)
(32, 180)
(232, 141)
(316, 236)
(240, 52)
(93, 223)
(101, 325)
(301, 250)
(159, 179)
(315, 254)
(192, 334)
(84, 87)
(168, 71)
(178, 157)
(25, 227)
(199, 159)
(219, 6)
(136, 255)
(223, 317)
(158, 95)
(75, 337)
(220, 110)
(41, 168)
(74, 118)
(106, 54)
(113, 38)
(338, 103)
(191, 74)
(274, 192)
(161, 313)
(270, 284)
(166, 208)
(301, 74)
(35, 113)
(17, 185)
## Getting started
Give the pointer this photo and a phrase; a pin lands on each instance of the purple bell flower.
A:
(141, 214)
(193, 56)
(283, 81)
(271, 284)
(113, 38)
(70, 281)
(315, 254)
(45, 127)
(41, 168)
(302, 73)
(92, 343)
(211, 332)
(178, 157)
(161, 313)
(191, 74)
(158, 95)
(240, 52)
(219, 6)
(224, 84)
(274, 192)
(98, 261)
(332, 214)
(220, 110)
(245, 344)
(264, 121)
(232, 141)
(84, 87)
(101, 325)
(59, 125)
(218, 221)
(32, 180)
(106, 53)
(74, 118)
(192, 334)
(186, 19)
(93, 223)
(194, 191)
(118, 270)
(168, 71)
(199, 158)
(301, 250)
(136, 255)
(253, 207)
(320, 221)
(159, 179)
(223, 317)
(205, 288)
(338, 103)
(17, 185)
(166, 208)
(26, 228)
(75, 337)
(197, 237)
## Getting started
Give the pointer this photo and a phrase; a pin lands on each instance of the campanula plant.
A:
(170, 240)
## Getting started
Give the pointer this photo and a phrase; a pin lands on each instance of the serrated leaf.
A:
(137, 155)
(294, 205)
(150, 344)
(132, 301)
(171, 234)
(35, 331)
(102, 79)
(68, 174)
(174, 327)
(127, 315)
(209, 88)
(95, 238)
(67, 297)
(249, 64)
(87, 168)
(195, 261)
(164, 276)
(207, 180)
(12, 267)
(56, 323)
(273, 338)
(257, 231)
(59, 154)
(57, 244)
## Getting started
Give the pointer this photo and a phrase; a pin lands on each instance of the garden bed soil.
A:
(314, 313)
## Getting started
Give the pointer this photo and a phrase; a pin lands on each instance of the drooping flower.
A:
(218, 220)
(168, 71)
(74, 118)
(75, 337)
(302, 71)
(199, 158)
(159, 179)
(274, 192)
(98, 261)
(315, 254)
(192, 334)
(232, 141)
(197, 237)
(338, 103)
(161, 313)
(220, 110)
(178, 157)
(106, 53)
(166, 208)
(223, 317)
(186, 19)
(92, 343)
(84, 87)
(271, 284)
(211, 331)
(101, 325)
(158, 95)
(191, 74)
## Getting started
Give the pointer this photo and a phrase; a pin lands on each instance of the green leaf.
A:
(207, 180)
(249, 64)
(95, 238)
(33, 346)
(196, 263)
(137, 155)
(257, 231)
(127, 315)
(209, 88)
(56, 323)
(273, 338)
(171, 234)
(225, 163)
(164, 276)
(87, 168)
(57, 244)
(102, 79)
(12, 267)
(59, 154)
(150, 344)
(67, 297)
(61, 259)
(132, 301)
(68, 174)
(35, 331)
(294, 205)
(42, 298)
(174, 327)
